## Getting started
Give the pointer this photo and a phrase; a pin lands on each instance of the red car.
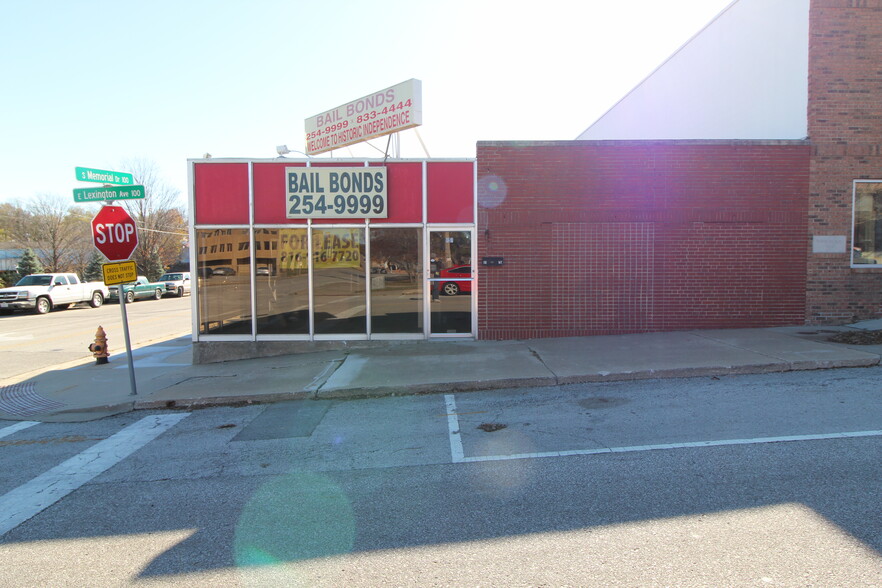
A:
(457, 271)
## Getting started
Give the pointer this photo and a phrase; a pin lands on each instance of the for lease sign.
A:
(381, 113)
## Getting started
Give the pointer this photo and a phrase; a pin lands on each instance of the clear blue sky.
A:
(96, 83)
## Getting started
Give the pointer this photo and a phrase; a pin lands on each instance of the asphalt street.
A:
(767, 479)
(31, 342)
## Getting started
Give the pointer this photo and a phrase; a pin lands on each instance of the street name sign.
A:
(103, 176)
(121, 272)
(109, 193)
(114, 233)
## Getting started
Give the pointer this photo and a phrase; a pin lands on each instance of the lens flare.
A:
(491, 191)
(504, 479)
(293, 518)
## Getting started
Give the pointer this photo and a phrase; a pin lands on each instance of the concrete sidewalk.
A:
(165, 377)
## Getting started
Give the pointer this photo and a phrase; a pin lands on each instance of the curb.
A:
(163, 397)
(479, 385)
(196, 403)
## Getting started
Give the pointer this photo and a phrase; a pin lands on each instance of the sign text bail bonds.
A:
(336, 192)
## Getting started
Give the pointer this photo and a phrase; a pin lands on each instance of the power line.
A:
(166, 232)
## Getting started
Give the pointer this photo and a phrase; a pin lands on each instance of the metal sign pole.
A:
(125, 321)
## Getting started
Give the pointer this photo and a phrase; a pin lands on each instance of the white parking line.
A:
(29, 499)
(691, 444)
(11, 429)
(456, 451)
(458, 455)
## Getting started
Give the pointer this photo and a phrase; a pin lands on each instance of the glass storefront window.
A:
(339, 294)
(282, 281)
(315, 281)
(224, 274)
(867, 239)
(451, 268)
(397, 280)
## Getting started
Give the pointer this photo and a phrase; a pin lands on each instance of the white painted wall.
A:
(744, 76)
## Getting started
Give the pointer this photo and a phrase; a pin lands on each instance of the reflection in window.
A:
(451, 310)
(224, 282)
(282, 282)
(339, 281)
(396, 281)
(867, 240)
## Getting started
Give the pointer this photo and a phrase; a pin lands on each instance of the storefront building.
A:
(685, 207)
(311, 253)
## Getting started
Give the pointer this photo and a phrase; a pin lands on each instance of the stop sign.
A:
(114, 233)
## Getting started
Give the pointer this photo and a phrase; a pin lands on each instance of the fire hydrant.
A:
(99, 347)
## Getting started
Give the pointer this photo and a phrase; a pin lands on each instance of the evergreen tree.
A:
(93, 272)
(28, 264)
(154, 268)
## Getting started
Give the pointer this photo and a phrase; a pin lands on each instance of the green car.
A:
(140, 288)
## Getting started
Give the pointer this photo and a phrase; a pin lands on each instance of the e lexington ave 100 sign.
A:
(336, 192)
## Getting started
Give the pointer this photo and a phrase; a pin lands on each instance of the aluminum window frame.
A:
(851, 239)
(365, 225)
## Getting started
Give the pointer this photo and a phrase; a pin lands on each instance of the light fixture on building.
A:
(283, 150)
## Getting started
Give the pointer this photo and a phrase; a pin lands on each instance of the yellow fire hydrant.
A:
(99, 347)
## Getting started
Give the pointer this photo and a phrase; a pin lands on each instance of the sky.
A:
(100, 83)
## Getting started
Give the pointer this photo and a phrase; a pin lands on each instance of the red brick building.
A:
(845, 130)
(626, 237)
(602, 237)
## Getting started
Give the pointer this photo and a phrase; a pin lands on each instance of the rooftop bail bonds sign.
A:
(336, 192)
(388, 111)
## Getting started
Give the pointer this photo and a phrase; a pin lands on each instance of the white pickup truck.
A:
(43, 292)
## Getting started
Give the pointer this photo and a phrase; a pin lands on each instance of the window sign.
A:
(336, 192)
(866, 247)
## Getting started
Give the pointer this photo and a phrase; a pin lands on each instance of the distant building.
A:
(743, 76)
(9, 257)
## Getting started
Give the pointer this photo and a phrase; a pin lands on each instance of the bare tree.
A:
(15, 223)
(57, 232)
(162, 224)
(61, 237)
(8, 212)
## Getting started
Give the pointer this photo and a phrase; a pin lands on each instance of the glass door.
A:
(450, 282)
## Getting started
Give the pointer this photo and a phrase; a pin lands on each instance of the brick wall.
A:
(845, 129)
(613, 237)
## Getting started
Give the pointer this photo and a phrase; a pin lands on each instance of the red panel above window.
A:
(221, 193)
(451, 187)
(270, 194)
(405, 193)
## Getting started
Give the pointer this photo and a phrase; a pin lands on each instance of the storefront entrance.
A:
(450, 282)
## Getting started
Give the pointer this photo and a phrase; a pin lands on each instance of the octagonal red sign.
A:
(114, 233)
